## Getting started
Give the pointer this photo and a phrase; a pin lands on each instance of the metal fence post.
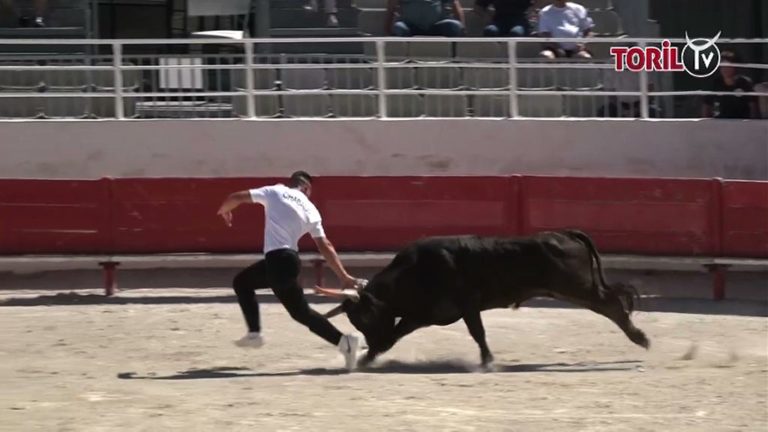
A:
(117, 65)
(643, 88)
(382, 79)
(512, 54)
(250, 103)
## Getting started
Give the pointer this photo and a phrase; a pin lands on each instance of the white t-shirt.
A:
(566, 22)
(289, 215)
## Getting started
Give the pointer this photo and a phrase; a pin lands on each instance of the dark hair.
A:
(729, 56)
(300, 177)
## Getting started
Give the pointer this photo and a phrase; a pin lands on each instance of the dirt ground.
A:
(161, 366)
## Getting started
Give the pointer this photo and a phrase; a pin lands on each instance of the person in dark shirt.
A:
(407, 18)
(733, 107)
(509, 17)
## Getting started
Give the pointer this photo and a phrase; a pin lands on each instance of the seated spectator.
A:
(329, 8)
(40, 7)
(564, 19)
(733, 107)
(509, 18)
(425, 18)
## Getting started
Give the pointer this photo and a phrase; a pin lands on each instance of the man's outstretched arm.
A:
(231, 203)
(332, 258)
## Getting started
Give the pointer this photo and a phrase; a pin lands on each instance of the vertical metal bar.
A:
(643, 88)
(117, 69)
(249, 84)
(512, 54)
(382, 78)
(263, 24)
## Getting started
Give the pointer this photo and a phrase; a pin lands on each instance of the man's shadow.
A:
(395, 367)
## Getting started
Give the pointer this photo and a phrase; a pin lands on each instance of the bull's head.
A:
(369, 315)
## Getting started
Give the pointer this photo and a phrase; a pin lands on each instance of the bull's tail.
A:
(626, 292)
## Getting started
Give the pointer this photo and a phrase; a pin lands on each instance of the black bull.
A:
(440, 280)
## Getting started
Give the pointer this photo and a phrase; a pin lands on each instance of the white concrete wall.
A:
(192, 148)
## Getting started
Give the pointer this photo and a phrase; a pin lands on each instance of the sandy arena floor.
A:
(159, 367)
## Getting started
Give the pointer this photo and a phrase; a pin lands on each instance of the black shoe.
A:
(39, 23)
(332, 21)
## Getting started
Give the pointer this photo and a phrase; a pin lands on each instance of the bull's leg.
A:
(476, 329)
(403, 328)
(611, 307)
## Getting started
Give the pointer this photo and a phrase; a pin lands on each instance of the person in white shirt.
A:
(564, 19)
(289, 215)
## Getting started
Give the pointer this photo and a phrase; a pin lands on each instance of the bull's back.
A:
(489, 272)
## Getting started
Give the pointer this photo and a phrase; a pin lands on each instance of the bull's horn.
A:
(338, 293)
(333, 312)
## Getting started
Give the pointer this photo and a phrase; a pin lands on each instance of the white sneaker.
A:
(251, 340)
(349, 346)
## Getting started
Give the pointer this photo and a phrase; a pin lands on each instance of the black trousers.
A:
(280, 270)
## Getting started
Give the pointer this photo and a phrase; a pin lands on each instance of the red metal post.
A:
(110, 277)
(716, 218)
(718, 280)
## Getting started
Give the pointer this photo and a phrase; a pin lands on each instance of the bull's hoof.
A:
(486, 359)
(364, 361)
(640, 339)
(488, 368)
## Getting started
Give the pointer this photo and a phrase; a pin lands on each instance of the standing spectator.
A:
(425, 18)
(509, 18)
(733, 107)
(564, 19)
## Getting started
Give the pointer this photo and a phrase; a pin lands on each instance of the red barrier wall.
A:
(50, 216)
(380, 213)
(745, 218)
(179, 215)
(644, 216)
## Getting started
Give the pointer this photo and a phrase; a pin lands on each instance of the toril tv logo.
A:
(700, 57)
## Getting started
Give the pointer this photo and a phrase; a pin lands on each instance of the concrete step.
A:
(42, 33)
(52, 4)
(298, 4)
(301, 18)
(318, 47)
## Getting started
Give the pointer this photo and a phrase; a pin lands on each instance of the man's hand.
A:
(349, 282)
(226, 215)
(231, 203)
(352, 282)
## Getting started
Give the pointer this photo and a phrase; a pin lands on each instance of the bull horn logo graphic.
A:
(697, 49)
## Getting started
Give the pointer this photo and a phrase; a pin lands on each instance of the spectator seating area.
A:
(50, 91)
(373, 14)
(419, 67)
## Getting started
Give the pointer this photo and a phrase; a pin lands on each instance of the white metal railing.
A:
(113, 57)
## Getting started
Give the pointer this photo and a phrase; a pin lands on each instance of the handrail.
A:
(212, 41)
(379, 64)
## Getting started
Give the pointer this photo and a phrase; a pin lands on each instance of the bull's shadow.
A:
(456, 367)
(394, 367)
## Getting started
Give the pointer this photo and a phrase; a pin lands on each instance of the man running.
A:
(289, 215)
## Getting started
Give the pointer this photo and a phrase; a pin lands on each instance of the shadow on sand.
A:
(394, 367)
(74, 299)
(647, 304)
